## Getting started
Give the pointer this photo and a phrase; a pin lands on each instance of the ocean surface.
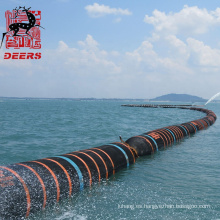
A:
(181, 182)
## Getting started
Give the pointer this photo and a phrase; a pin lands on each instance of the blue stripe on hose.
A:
(184, 129)
(126, 156)
(202, 124)
(193, 125)
(206, 122)
(152, 140)
(77, 170)
(172, 134)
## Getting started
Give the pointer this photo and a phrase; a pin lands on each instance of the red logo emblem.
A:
(22, 29)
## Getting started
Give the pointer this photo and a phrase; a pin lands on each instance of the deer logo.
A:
(26, 26)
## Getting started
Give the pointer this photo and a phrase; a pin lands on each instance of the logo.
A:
(22, 31)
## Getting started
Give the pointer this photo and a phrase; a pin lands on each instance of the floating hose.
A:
(28, 187)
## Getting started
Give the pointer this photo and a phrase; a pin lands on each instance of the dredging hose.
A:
(28, 187)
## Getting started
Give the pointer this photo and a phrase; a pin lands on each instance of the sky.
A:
(117, 49)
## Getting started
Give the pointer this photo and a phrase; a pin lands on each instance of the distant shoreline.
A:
(103, 99)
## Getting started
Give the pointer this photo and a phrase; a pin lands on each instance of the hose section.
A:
(152, 141)
(31, 186)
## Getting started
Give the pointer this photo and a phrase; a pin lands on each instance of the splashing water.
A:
(213, 97)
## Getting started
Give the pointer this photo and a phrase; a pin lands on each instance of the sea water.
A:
(181, 182)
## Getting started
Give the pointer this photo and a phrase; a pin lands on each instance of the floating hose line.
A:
(29, 187)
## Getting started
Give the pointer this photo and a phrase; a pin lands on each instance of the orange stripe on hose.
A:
(206, 123)
(176, 134)
(164, 144)
(65, 171)
(106, 168)
(124, 144)
(170, 135)
(157, 136)
(90, 176)
(186, 129)
(166, 133)
(97, 167)
(202, 125)
(190, 123)
(55, 178)
(147, 142)
(41, 182)
(162, 134)
(180, 131)
(197, 124)
(25, 189)
(113, 166)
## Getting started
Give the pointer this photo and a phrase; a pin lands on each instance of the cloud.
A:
(190, 20)
(97, 10)
(88, 71)
(203, 55)
(117, 20)
(178, 49)
(147, 60)
(89, 43)
(8, 66)
(88, 60)
(175, 38)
